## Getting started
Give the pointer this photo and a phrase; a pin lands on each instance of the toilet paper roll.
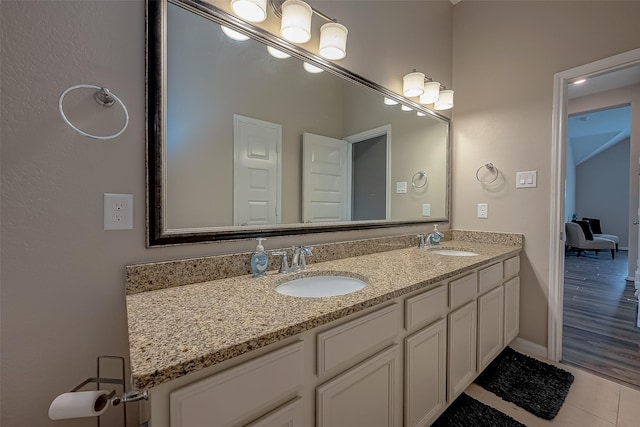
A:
(79, 404)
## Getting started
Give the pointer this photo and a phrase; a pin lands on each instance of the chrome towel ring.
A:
(418, 177)
(492, 169)
(103, 97)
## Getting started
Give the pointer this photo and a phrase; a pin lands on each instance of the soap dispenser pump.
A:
(259, 260)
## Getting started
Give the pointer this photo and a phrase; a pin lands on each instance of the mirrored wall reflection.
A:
(255, 140)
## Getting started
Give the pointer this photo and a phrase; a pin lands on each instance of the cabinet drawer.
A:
(425, 308)
(463, 290)
(489, 278)
(358, 339)
(231, 396)
(511, 267)
(288, 415)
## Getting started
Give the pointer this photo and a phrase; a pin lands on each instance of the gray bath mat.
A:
(538, 387)
(468, 412)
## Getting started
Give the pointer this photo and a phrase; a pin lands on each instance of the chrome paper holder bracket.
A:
(114, 398)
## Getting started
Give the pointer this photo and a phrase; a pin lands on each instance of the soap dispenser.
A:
(259, 260)
(435, 236)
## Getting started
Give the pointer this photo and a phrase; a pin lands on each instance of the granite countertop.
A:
(179, 330)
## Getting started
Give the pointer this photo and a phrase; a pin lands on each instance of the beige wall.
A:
(505, 57)
(62, 282)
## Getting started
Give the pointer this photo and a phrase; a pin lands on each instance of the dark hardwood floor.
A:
(600, 314)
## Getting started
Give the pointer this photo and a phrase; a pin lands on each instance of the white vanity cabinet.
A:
(240, 394)
(490, 314)
(425, 357)
(398, 364)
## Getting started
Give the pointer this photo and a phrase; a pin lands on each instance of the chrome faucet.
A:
(298, 262)
(421, 242)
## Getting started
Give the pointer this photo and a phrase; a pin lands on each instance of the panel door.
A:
(462, 330)
(370, 394)
(288, 415)
(511, 310)
(490, 326)
(257, 165)
(325, 179)
(425, 374)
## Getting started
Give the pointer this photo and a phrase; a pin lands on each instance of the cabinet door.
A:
(490, 326)
(511, 310)
(462, 331)
(230, 397)
(289, 415)
(425, 374)
(370, 394)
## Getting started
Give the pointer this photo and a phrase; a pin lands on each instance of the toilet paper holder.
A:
(114, 398)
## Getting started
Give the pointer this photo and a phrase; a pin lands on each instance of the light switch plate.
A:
(118, 211)
(527, 179)
(401, 187)
(426, 209)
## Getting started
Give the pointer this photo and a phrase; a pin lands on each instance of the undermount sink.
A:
(453, 252)
(320, 286)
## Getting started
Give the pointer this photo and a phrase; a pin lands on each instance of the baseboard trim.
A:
(525, 346)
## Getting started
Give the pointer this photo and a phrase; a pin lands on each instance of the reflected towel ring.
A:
(103, 97)
(418, 176)
(492, 169)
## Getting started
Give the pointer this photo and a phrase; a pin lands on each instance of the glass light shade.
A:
(333, 40)
(405, 108)
(389, 101)
(446, 100)
(421, 114)
(277, 53)
(431, 93)
(251, 10)
(413, 84)
(233, 34)
(296, 21)
(311, 68)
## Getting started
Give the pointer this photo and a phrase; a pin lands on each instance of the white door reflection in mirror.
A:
(326, 169)
(256, 172)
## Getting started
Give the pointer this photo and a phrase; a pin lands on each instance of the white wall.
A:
(570, 185)
(504, 58)
(62, 276)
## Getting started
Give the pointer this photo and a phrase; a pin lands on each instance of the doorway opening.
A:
(606, 67)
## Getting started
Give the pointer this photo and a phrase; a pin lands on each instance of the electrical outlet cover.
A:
(483, 210)
(118, 211)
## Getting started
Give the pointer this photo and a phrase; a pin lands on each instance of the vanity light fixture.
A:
(311, 68)
(389, 101)
(295, 25)
(233, 34)
(406, 108)
(421, 114)
(430, 92)
(296, 21)
(445, 102)
(413, 84)
(333, 41)
(277, 53)
(250, 10)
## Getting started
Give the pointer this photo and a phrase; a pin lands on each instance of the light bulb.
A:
(251, 10)
(233, 34)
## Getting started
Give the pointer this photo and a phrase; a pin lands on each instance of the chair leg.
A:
(616, 247)
(579, 252)
(597, 252)
(613, 254)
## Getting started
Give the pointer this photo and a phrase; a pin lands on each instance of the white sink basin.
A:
(453, 252)
(320, 286)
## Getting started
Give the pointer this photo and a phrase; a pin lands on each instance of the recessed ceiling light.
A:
(579, 82)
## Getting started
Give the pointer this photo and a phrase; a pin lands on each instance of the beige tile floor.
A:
(592, 402)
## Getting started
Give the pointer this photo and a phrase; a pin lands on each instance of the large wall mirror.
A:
(243, 144)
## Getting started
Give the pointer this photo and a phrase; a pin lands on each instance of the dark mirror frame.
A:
(155, 131)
